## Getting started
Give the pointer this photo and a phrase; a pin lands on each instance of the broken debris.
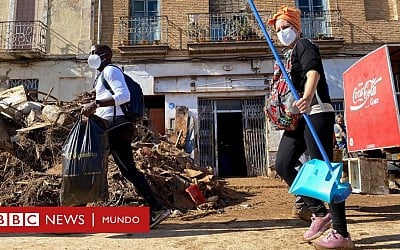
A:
(33, 133)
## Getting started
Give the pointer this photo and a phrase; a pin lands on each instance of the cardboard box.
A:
(368, 175)
(337, 155)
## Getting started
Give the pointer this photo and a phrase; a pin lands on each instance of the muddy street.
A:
(260, 219)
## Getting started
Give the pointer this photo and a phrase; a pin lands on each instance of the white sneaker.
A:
(156, 217)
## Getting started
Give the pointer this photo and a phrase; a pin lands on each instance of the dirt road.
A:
(260, 219)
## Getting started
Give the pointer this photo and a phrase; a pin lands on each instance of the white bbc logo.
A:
(19, 219)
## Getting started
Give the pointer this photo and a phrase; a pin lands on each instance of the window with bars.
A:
(224, 23)
(145, 26)
(313, 18)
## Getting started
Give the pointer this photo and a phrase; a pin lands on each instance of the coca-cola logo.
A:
(364, 94)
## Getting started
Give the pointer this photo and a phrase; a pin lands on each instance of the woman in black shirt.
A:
(307, 75)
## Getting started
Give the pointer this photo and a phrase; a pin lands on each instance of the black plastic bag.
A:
(84, 162)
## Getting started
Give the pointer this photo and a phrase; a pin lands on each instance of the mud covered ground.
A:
(259, 217)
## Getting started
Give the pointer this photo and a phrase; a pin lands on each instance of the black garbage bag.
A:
(84, 163)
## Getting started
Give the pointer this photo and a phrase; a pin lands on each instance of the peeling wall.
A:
(67, 77)
(69, 37)
(70, 25)
(4, 10)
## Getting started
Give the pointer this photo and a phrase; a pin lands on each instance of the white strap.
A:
(320, 101)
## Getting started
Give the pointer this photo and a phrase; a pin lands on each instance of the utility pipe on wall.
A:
(99, 23)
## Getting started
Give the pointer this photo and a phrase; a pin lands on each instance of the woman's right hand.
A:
(303, 104)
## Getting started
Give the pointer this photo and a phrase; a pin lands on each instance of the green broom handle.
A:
(290, 84)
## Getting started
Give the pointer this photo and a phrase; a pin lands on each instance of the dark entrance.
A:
(24, 26)
(232, 136)
(231, 158)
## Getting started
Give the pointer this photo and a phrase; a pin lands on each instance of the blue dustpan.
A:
(316, 178)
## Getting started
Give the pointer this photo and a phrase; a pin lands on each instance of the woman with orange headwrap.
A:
(308, 77)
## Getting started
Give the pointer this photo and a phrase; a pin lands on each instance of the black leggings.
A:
(120, 138)
(293, 144)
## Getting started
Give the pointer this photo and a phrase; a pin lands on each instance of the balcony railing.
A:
(143, 30)
(325, 24)
(213, 27)
(217, 27)
(23, 36)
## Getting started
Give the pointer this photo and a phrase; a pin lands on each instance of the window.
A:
(145, 24)
(310, 5)
(381, 10)
(21, 29)
(142, 8)
(227, 16)
(312, 17)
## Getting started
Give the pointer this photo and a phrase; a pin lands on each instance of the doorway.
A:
(231, 158)
(154, 106)
(24, 26)
(231, 136)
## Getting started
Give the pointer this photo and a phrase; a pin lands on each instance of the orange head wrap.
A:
(292, 15)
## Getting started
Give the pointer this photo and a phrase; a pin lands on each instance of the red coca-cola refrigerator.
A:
(371, 97)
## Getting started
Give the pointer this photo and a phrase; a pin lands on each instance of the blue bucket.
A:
(315, 179)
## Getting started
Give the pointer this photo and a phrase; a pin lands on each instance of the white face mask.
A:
(287, 36)
(94, 61)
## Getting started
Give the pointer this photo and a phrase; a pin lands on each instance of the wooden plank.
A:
(181, 123)
(34, 126)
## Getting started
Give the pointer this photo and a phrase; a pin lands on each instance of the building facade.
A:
(208, 56)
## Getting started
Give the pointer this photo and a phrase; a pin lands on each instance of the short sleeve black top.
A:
(306, 57)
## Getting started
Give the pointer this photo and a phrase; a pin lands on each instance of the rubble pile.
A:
(31, 141)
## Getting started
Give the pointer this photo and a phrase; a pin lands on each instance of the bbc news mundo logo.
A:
(74, 219)
(19, 220)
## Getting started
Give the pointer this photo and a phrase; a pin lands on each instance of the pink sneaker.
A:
(334, 241)
(318, 226)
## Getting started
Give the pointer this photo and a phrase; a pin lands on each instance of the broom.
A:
(338, 192)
